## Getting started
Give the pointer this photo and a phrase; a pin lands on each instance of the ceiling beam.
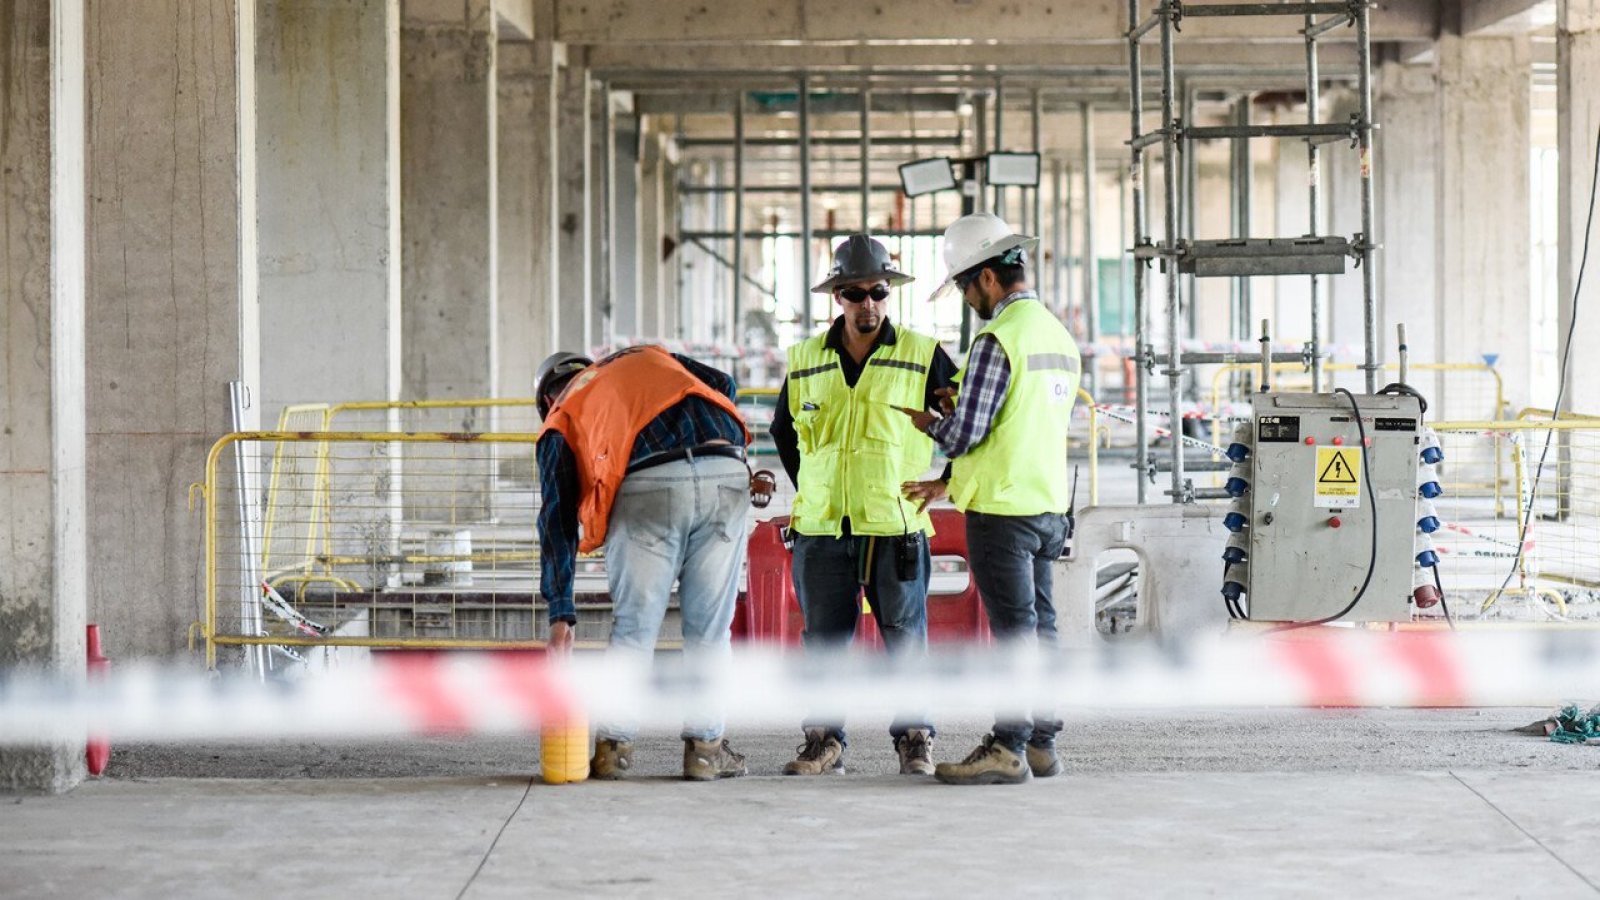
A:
(1013, 22)
(1015, 61)
(1484, 17)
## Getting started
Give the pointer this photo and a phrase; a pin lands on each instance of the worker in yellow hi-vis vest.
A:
(848, 450)
(1006, 437)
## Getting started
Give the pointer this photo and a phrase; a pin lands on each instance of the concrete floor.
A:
(1179, 804)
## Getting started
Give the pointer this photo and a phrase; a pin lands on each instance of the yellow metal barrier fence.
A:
(1557, 571)
(410, 540)
(385, 538)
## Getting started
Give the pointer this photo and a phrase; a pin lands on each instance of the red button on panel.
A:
(1310, 441)
(1338, 442)
(1334, 522)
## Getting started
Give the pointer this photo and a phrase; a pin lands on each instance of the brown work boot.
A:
(612, 759)
(821, 754)
(1043, 761)
(916, 751)
(710, 760)
(991, 763)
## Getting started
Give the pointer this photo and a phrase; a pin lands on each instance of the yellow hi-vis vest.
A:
(856, 448)
(1020, 466)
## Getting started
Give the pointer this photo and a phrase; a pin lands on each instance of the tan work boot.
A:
(916, 751)
(612, 759)
(991, 763)
(821, 754)
(1043, 761)
(710, 760)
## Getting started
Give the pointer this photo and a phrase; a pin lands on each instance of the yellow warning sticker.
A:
(1338, 484)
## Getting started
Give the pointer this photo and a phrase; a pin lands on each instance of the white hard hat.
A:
(978, 237)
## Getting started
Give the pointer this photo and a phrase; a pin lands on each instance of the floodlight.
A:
(1012, 170)
(925, 176)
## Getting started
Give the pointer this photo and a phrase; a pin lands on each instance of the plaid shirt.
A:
(983, 389)
(689, 423)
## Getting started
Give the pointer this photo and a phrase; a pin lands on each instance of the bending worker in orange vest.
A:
(645, 450)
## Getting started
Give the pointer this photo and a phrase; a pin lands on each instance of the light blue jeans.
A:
(681, 521)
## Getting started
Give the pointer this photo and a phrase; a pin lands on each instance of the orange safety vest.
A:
(602, 411)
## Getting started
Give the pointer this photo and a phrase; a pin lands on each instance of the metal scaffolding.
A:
(1243, 257)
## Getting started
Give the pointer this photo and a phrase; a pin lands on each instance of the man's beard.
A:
(867, 329)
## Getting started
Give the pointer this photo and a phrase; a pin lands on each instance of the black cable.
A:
(1235, 611)
(1372, 558)
(1399, 388)
(1561, 383)
(1443, 603)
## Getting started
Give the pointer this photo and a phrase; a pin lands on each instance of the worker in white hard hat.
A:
(1005, 434)
(847, 452)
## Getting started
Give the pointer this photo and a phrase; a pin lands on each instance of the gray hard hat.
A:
(553, 373)
(860, 258)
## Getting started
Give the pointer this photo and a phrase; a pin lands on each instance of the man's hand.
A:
(925, 492)
(920, 418)
(560, 643)
(947, 399)
(762, 485)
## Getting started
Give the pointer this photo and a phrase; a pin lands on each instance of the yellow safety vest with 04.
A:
(1020, 466)
(856, 447)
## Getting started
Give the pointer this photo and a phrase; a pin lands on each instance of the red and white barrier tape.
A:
(507, 692)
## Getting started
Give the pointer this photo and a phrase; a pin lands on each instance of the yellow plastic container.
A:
(564, 750)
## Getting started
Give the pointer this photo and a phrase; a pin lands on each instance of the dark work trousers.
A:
(1011, 558)
(829, 574)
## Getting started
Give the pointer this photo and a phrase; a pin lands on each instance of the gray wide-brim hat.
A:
(860, 258)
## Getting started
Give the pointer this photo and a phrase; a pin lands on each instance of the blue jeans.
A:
(682, 521)
(829, 574)
(1011, 559)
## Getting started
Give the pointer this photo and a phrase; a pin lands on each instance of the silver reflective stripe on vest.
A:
(814, 370)
(919, 368)
(1040, 362)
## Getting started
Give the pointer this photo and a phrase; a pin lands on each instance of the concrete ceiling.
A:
(685, 63)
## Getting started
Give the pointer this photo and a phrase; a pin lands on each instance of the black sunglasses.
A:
(965, 279)
(877, 292)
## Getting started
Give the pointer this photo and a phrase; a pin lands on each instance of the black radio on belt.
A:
(908, 556)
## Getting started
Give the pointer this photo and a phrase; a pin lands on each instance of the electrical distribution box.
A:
(1311, 515)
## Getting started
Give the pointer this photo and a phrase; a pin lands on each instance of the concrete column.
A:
(172, 309)
(625, 300)
(1406, 104)
(42, 444)
(1291, 305)
(649, 236)
(576, 267)
(1213, 198)
(671, 256)
(1483, 254)
(602, 325)
(1578, 104)
(328, 140)
(653, 219)
(448, 199)
(1341, 173)
(526, 175)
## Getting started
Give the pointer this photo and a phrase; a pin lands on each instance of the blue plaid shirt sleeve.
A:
(716, 378)
(558, 523)
(983, 389)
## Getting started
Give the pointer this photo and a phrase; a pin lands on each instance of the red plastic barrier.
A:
(770, 611)
(98, 753)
